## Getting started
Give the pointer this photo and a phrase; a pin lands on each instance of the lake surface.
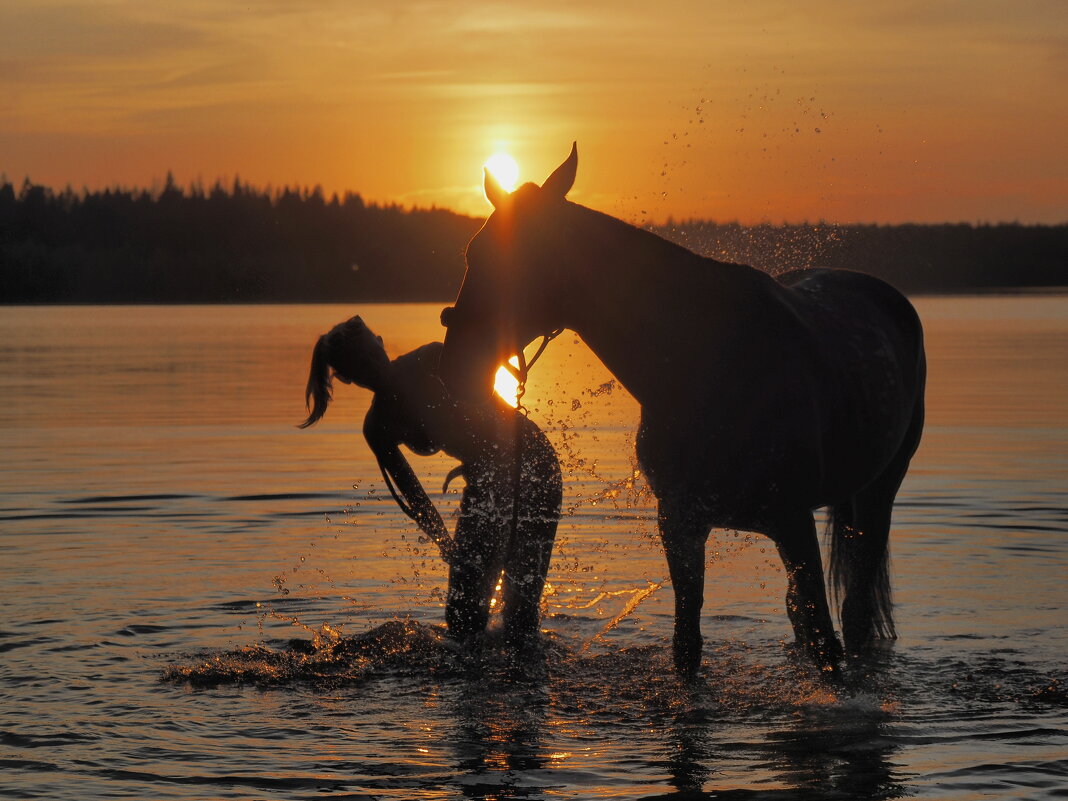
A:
(165, 531)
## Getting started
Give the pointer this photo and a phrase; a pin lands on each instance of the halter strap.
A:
(521, 372)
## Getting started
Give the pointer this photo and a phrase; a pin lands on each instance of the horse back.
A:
(853, 315)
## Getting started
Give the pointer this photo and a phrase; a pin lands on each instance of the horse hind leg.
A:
(860, 569)
(860, 552)
(806, 597)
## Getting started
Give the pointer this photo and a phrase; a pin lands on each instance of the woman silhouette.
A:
(508, 517)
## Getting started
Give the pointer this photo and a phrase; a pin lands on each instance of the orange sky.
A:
(944, 110)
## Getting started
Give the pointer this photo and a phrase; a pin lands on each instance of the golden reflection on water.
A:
(158, 480)
(982, 360)
(220, 414)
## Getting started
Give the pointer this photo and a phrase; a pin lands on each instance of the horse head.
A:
(515, 283)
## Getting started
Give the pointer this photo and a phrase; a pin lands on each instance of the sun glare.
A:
(505, 384)
(505, 169)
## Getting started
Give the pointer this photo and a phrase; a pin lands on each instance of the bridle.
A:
(521, 372)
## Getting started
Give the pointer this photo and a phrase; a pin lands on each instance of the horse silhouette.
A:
(762, 399)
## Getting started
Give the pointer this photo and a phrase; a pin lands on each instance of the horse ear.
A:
(563, 178)
(495, 193)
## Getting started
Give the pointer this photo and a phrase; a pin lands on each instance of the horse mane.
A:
(635, 239)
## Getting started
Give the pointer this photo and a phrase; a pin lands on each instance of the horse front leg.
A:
(684, 537)
(806, 595)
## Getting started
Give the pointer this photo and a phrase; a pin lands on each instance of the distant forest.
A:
(244, 244)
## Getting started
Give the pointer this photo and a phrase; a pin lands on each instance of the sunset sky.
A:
(850, 112)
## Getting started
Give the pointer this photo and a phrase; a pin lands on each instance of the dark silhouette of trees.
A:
(240, 244)
(244, 244)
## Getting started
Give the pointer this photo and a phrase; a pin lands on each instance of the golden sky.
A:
(944, 110)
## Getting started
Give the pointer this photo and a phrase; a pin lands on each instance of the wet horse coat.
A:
(761, 399)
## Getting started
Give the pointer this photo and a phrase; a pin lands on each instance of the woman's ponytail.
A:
(318, 392)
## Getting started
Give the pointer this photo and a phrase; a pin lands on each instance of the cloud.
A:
(382, 95)
(530, 20)
(86, 32)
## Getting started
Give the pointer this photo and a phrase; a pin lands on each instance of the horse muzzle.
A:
(468, 364)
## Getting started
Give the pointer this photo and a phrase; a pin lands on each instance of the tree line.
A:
(246, 244)
(916, 258)
(223, 244)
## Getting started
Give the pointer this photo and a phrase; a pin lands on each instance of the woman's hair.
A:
(354, 353)
(320, 387)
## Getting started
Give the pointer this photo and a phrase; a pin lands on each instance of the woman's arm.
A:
(406, 487)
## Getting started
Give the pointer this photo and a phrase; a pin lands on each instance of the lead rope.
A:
(520, 373)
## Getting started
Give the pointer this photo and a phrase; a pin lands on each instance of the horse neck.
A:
(648, 307)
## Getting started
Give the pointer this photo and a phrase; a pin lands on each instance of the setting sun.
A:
(505, 169)
(505, 384)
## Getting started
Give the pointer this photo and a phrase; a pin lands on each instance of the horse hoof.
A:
(687, 658)
(831, 673)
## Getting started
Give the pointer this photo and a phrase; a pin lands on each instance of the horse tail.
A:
(859, 571)
(317, 394)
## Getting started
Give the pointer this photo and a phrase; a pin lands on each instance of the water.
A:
(167, 532)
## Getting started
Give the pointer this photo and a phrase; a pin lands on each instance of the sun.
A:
(505, 169)
(505, 384)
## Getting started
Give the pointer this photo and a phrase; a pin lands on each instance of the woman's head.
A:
(351, 352)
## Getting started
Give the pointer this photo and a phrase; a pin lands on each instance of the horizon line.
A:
(157, 186)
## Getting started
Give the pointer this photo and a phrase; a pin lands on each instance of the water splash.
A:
(329, 658)
(638, 595)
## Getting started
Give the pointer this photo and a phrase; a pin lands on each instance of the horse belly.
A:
(734, 465)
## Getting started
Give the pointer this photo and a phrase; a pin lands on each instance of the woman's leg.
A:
(474, 572)
(526, 565)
